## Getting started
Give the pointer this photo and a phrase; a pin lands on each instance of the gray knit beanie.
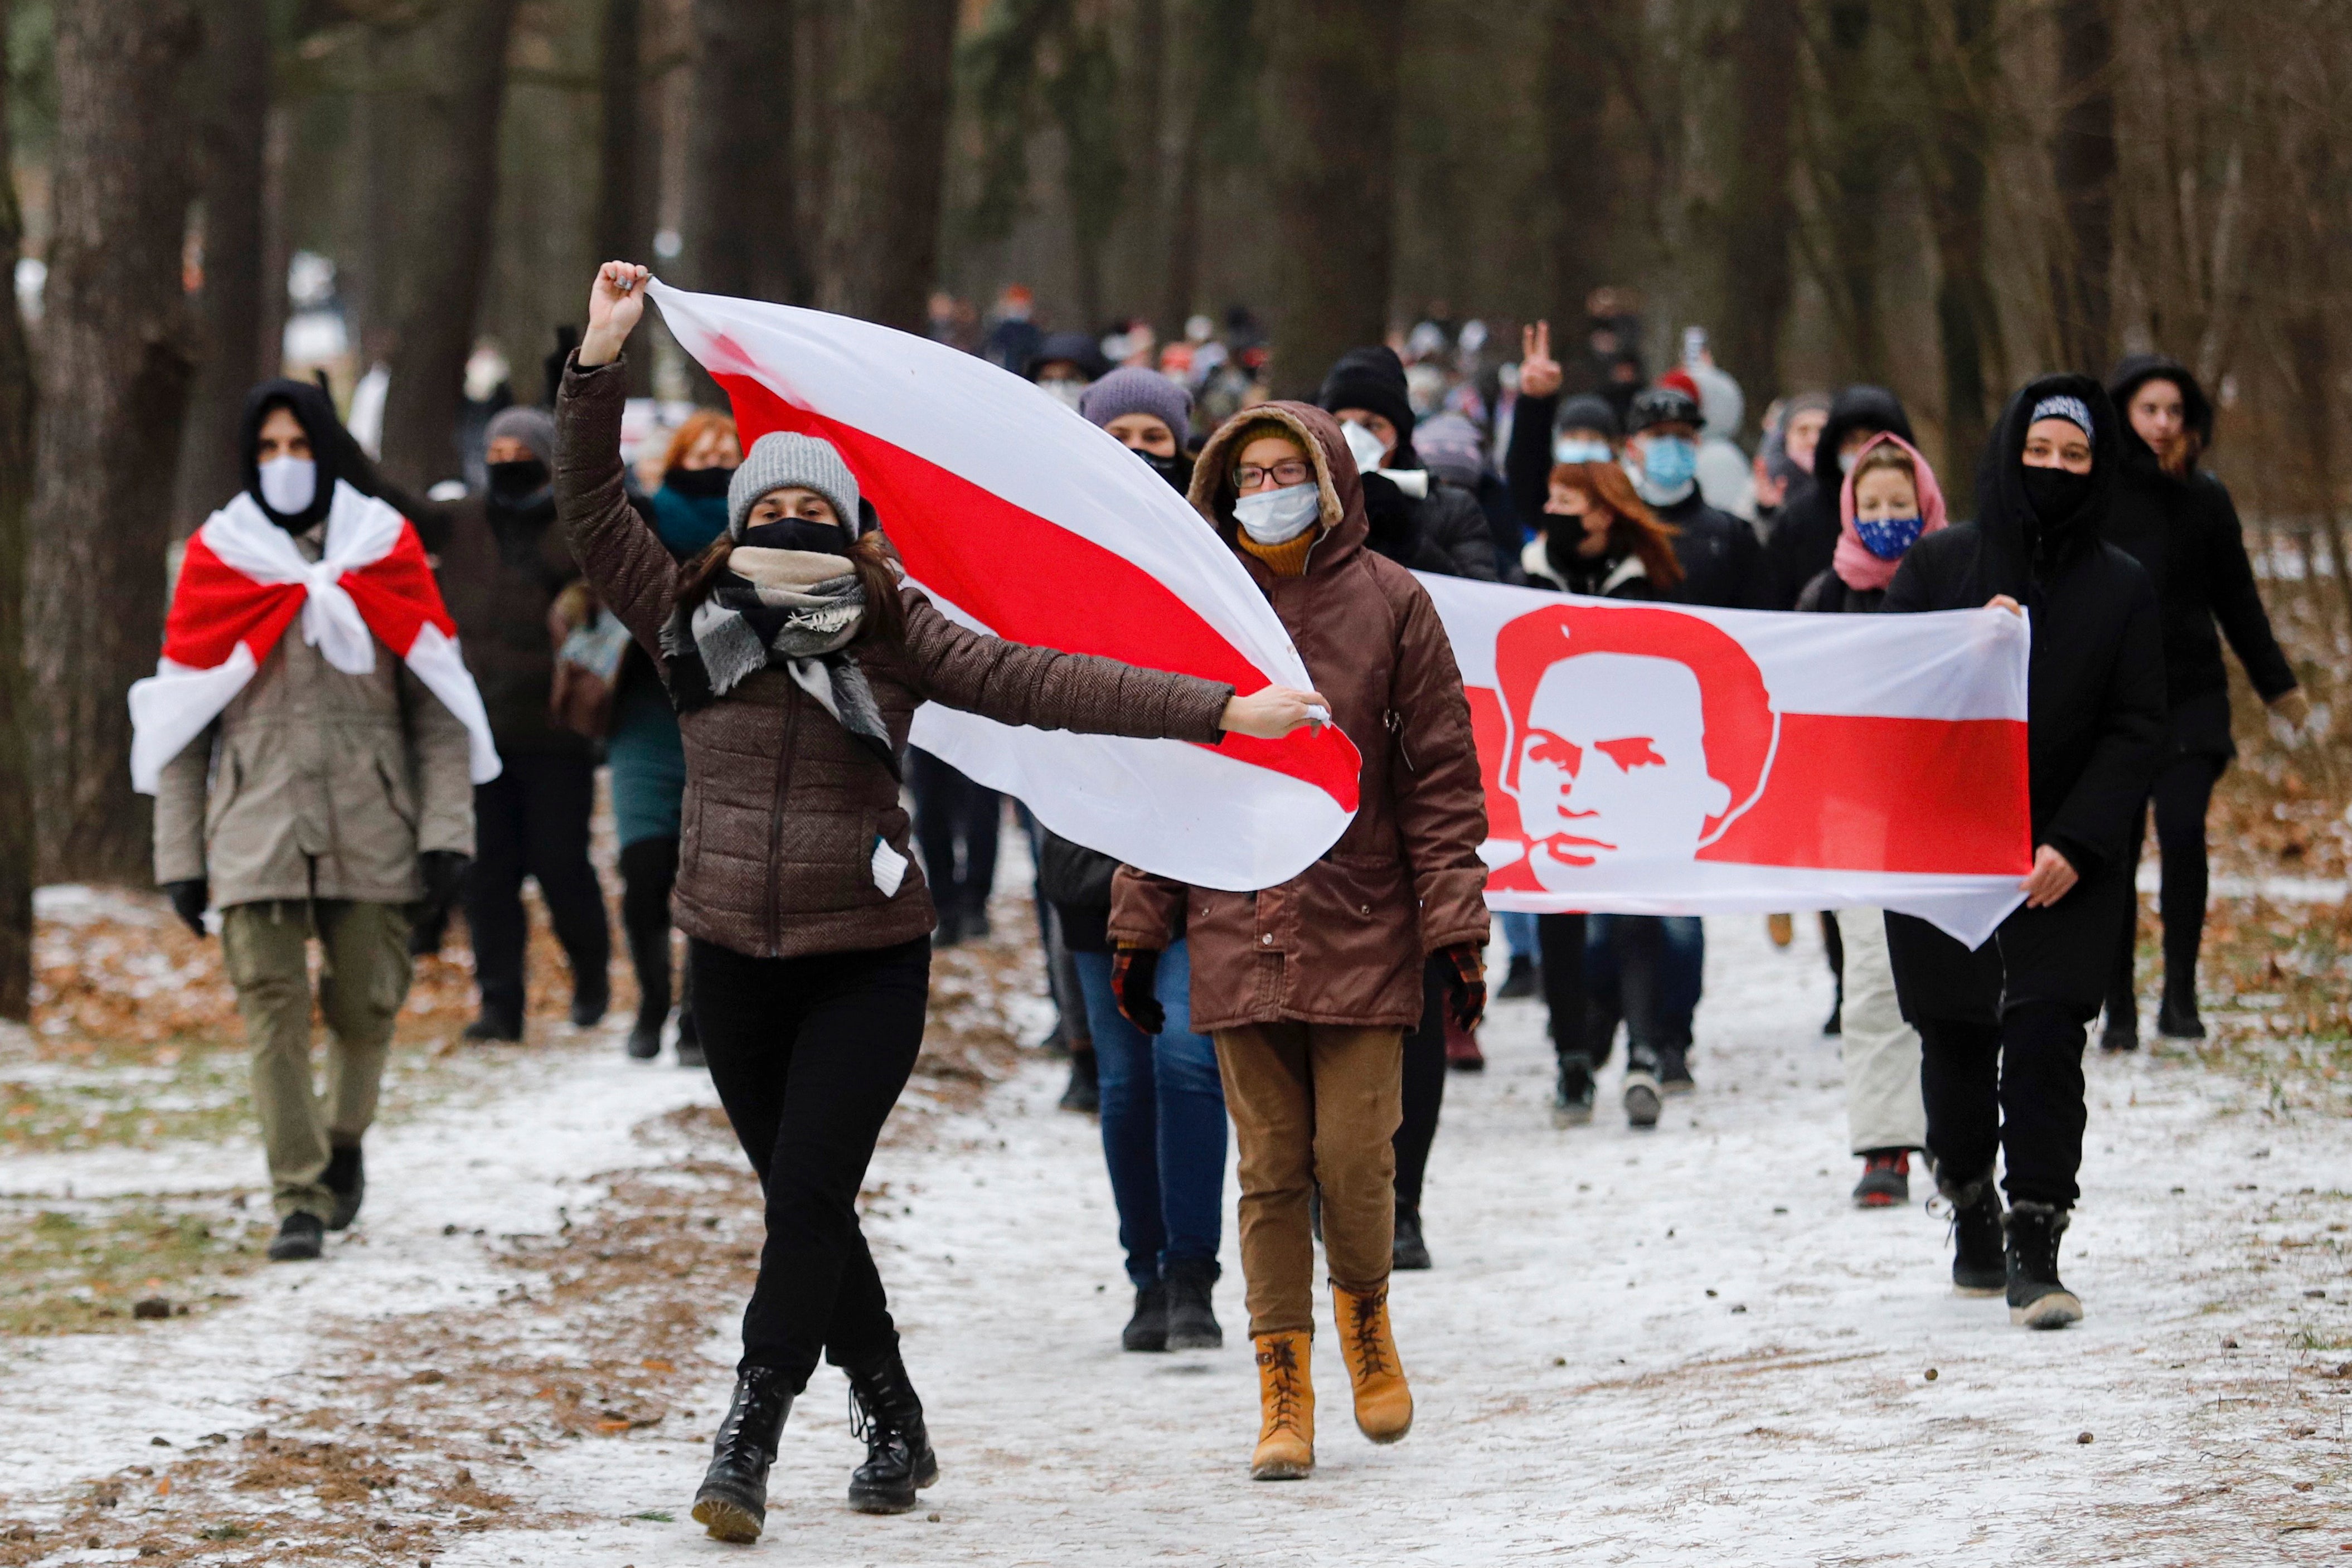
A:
(534, 427)
(1132, 389)
(783, 458)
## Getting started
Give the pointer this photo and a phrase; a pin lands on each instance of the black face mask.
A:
(797, 533)
(698, 483)
(516, 483)
(2055, 494)
(1177, 468)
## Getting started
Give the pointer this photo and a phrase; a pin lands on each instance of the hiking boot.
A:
(2036, 1297)
(1886, 1179)
(592, 996)
(1674, 1070)
(1462, 1053)
(1408, 1251)
(2178, 1020)
(1519, 981)
(1286, 1398)
(1571, 1094)
(346, 1177)
(1640, 1095)
(1146, 1330)
(899, 1457)
(1085, 1093)
(300, 1238)
(1191, 1319)
(1978, 1267)
(732, 1504)
(492, 1026)
(1383, 1401)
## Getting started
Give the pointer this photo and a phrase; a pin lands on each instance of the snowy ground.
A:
(1675, 1347)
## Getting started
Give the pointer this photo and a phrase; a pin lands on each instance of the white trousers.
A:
(1883, 1108)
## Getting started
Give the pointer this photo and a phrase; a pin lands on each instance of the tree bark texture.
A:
(16, 851)
(892, 66)
(623, 223)
(1332, 76)
(1850, 182)
(2083, 161)
(1956, 54)
(450, 75)
(1759, 211)
(114, 372)
(233, 131)
(739, 238)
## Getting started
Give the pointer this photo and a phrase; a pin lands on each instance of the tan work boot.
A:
(1384, 1403)
(1286, 1434)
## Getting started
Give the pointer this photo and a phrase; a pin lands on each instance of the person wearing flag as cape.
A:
(310, 779)
(796, 657)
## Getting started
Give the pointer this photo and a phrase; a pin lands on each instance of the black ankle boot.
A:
(1978, 1267)
(733, 1501)
(346, 1177)
(1191, 1318)
(1147, 1329)
(2037, 1300)
(899, 1457)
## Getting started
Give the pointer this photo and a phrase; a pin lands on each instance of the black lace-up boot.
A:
(1978, 1266)
(899, 1457)
(2037, 1300)
(733, 1501)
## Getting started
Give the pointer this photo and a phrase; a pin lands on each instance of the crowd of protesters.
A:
(727, 628)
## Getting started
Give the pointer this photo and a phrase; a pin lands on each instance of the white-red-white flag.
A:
(1021, 520)
(1658, 759)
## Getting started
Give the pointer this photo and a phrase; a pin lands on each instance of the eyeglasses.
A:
(1249, 476)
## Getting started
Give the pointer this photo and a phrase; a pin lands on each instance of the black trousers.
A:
(532, 820)
(648, 872)
(2014, 1088)
(1425, 1086)
(953, 813)
(2183, 791)
(1559, 942)
(809, 1055)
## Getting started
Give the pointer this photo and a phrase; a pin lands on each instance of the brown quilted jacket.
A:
(1342, 942)
(782, 808)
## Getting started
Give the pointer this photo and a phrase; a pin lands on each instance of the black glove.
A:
(188, 900)
(444, 876)
(1465, 983)
(1134, 980)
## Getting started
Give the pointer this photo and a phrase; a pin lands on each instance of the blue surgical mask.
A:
(1579, 449)
(1888, 538)
(1669, 462)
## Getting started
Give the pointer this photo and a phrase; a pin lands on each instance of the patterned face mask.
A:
(1888, 538)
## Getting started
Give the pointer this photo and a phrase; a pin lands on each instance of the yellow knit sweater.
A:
(1287, 558)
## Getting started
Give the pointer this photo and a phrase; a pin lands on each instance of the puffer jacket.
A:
(783, 810)
(314, 783)
(1343, 942)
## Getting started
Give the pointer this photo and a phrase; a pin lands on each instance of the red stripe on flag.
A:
(215, 607)
(1922, 796)
(397, 596)
(1035, 582)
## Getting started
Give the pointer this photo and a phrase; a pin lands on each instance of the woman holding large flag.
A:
(2001, 1029)
(796, 660)
(1308, 987)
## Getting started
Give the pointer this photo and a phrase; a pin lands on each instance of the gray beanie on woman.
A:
(782, 459)
(1132, 389)
(534, 427)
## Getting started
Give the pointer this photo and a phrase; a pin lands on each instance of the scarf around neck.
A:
(795, 610)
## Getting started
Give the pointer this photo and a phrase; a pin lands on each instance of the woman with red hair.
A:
(1599, 539)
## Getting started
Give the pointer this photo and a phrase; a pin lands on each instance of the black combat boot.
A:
(1147, 1329)
(1977, 1269)
(346, 1177)
(1191, 1319)
(733, 1501)
(899, 1457)
(2037, 1300)
(1409, 1250)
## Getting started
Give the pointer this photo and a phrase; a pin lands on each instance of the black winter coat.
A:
(2094, 716)
(1450, 518)
(1723, 565)
(501, 569)
(2185, 532)
(1828, 594)
(1804, 535)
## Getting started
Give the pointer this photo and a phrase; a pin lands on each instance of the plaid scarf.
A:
(795, 610)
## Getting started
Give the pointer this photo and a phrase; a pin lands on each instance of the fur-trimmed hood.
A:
(1344, 521)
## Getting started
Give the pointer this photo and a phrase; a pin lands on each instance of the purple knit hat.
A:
(1132, 389)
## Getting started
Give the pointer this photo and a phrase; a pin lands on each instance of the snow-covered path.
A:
(1677, 1347)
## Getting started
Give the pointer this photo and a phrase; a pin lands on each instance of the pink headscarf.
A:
(1856, 567)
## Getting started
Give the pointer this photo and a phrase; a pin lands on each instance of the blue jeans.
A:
(1647, 971)
(1164, 1120)
(1518, 932)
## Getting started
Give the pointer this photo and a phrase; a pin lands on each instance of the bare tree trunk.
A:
(114, 374)
(277, 242)
(623, 228)
(2083, 161)
(453, 67)
(1332, 74)
(1852, 179)
(17, 854)
(1758, 209)
(1579, 186)
(739, 236)
(232, 137)
(1956, 59)
(891, 72)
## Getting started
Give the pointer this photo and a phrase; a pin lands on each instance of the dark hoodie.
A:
(338, 456)
(2185, 531)
(1805, 535)
(1444, 531)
